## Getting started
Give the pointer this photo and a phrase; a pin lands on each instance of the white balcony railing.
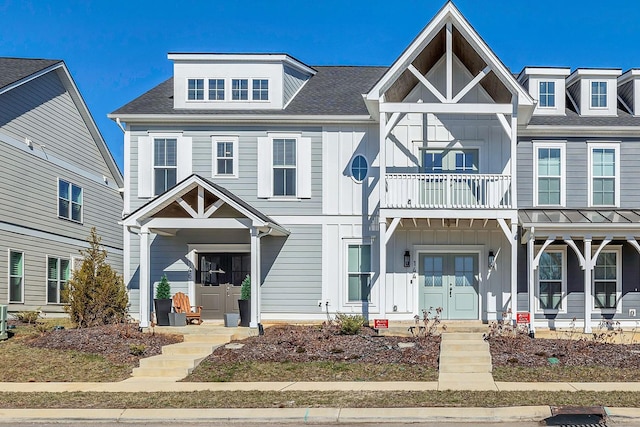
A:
(448, 191)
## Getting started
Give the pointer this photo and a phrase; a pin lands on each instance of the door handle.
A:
(450, 291)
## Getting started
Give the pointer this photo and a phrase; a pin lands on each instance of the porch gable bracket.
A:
(633, 242)
(391, 229)
(426, 83)
(507, 231)
(184, 205)
(536, 259)
(605, 242)
(582, 258)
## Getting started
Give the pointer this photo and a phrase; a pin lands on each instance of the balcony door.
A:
(449, 281)
(450, 183)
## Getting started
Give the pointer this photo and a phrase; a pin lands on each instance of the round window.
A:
(359, 168)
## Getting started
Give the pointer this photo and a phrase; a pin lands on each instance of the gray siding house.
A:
(443, 180)
(59, 180)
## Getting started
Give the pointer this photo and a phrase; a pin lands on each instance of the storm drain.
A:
(578, 416)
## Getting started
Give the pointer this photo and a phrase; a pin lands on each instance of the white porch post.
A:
(145, 264)
(587, 284)
(382, 233)
(514, 271)
(382, 280)
(255, 278)
(531, 281)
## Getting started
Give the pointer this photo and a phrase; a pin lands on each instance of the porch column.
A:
(531, 281)
(587, 284)
(382, 187)
(514, 271)
(145, 264)
(255, 278)
(382, 279)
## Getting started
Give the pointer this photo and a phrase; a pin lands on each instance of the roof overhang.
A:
(238, 118)
(616, 224)
(242, 57)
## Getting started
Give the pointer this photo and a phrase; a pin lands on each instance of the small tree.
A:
(163, 289)
(245, 288)
(95, 294)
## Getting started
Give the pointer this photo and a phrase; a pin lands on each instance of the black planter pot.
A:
(163, 308)
(245, 311)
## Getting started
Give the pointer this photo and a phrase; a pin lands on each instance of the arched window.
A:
(359, 168)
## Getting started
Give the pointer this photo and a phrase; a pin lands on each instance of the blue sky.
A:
(117, 50)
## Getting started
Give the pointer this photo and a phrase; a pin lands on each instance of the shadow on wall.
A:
(271, 247)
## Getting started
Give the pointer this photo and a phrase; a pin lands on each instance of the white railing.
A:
(448, 191)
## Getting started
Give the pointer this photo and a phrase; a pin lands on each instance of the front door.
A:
(218, 280)
(449, 281)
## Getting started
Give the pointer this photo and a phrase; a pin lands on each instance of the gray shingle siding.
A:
(292, 81)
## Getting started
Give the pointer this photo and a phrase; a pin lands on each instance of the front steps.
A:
(178, 360)
(465, 362)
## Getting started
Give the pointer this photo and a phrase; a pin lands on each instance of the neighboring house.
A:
(57, 181)
(441, 181)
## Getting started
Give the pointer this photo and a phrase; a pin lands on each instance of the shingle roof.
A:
(331, 91)
(574, 119)
(14, 69)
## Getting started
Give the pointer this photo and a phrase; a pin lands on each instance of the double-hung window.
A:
(549, 170)
(359, 273)
(598, 94)
(547, 95)
(16, 277)
(69, 201)
(607, 284)
(240, 89)
(552, 280)
(165, 165)
(603, 180)
(58, 272)
(195, 89)
(225, 157)
(284, 167)
(216, 89)
(260, 90)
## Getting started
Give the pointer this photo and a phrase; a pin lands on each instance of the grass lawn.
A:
(565, 374)
(298, 399)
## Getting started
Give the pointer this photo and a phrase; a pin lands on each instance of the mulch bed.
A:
(523, 351)
(114, 342)
(287, 343)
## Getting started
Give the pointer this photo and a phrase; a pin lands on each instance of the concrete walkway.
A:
(465, 362)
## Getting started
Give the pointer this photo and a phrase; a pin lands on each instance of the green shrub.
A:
(137, 349)
(245, 288)
(163, 290)
(95, 293)
(27, 316)
(349, 324)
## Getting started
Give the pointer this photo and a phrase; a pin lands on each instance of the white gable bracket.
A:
(633, 242)
(536, 260)
(472, 84)
(505, 124)
(569, 241)
(426, 83)
(604, 243)
(449, 61)
(391, 229)
(186, 207)
(507, 231)
(214, 207)
(393, 121)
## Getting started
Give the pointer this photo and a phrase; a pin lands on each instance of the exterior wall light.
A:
(407, 259)
(492, 260)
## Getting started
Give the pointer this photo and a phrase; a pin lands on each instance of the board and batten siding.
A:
(292, 81)
(245, 185)
(291, 271)
(43, 111)
(36, 250)
(577, 171)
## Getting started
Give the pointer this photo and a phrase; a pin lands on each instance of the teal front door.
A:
(449, 281)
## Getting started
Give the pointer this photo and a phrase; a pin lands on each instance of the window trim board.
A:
(603, 145)
(617, 249)
(563, 285)
(22, 286)
(563, 170)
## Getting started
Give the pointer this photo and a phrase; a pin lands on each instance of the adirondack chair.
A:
(181, 305)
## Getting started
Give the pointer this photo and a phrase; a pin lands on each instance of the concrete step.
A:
(468, 368)
(161, 372)
(208, 338)
(187, 348)
(460, 346)
(168, 361)
(462, 336)
(464, 358)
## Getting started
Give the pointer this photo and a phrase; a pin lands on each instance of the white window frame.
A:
(294, 167)
(563, 173)
(608, 146)
(253, 79)
(551, 107)
(563, 287)
(224, 90)
(617, 249)
(214, 148)
(373, 292)
(70, 217)
(153, 160)
(204, 89)
(249, 90)
(21, 301)
(58, 279)
(606, 94)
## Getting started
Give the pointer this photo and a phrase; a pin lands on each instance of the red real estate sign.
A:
(380, 323)
(523, 317)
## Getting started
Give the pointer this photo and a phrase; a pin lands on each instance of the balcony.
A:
(448, 191)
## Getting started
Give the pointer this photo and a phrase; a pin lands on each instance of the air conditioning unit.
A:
(3, 322)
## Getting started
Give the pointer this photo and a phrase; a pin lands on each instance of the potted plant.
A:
(162, 301)
(244, 303)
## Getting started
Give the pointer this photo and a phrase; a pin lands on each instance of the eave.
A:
(254, 118)
(562, 131)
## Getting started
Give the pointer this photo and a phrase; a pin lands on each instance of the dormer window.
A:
(598, 94)
(195, 90)
(216, 89)
(240, 89)
(547, 95)
(260, 90)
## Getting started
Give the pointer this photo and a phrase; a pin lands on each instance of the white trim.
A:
(58, 279)
(563, 170)
(480, 250)
(186, 88)
(563, 287)
(325, 119)
(374, 291)
(617, 249)
(215, 140)
(449, 108)
(603, 145)
(9, 251)
(166, 136)
(70, 217)
(590, 82)
(239, 79)
(242, 57)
